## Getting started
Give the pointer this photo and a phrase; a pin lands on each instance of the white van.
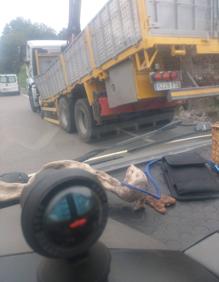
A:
(9, 84)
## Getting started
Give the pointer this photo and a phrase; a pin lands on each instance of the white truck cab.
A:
(9, 84)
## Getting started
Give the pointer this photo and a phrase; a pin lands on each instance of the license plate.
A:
(166, 85)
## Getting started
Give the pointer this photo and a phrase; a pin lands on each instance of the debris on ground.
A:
(203, 112)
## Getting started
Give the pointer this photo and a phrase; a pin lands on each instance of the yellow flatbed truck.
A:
(134, 57)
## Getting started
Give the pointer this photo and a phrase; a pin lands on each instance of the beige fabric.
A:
(134, 176)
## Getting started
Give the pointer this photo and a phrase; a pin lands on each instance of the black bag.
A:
(189, 178)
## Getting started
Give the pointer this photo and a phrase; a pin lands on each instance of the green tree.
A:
(63, 34)
(13, 41)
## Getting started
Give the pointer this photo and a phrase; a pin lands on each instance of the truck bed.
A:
(120, 29)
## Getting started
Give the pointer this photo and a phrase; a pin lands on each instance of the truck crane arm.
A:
(74, 26)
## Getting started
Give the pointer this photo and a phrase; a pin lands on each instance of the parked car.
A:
(9, 84)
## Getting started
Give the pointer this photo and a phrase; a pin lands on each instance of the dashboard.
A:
(19, 264)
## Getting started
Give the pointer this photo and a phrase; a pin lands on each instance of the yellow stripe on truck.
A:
(194, 93)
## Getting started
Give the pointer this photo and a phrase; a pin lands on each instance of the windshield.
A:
(127, 89)
(8, 79)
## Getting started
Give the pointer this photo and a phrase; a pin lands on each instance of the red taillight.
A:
(166, 75)
(158, 76)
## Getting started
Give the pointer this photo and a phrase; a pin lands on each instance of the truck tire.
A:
(170, 115)
(33, 107)
(66, 114)
(84, 120)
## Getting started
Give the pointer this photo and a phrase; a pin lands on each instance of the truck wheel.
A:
(170, 115)
(84, 120)
(66, 115)
(32, 105)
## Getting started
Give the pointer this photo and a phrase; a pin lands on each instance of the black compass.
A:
(64, 212)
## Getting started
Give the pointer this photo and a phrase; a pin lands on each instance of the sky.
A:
(53, 13)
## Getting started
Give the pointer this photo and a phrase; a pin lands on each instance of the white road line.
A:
(107, 155)
(191, 138)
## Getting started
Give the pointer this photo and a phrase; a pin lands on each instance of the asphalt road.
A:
(27, 141)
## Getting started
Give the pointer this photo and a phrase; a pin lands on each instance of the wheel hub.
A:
(63, 117)
(82, 123)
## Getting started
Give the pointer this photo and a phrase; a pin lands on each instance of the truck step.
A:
(53, 121)
(46, 109)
